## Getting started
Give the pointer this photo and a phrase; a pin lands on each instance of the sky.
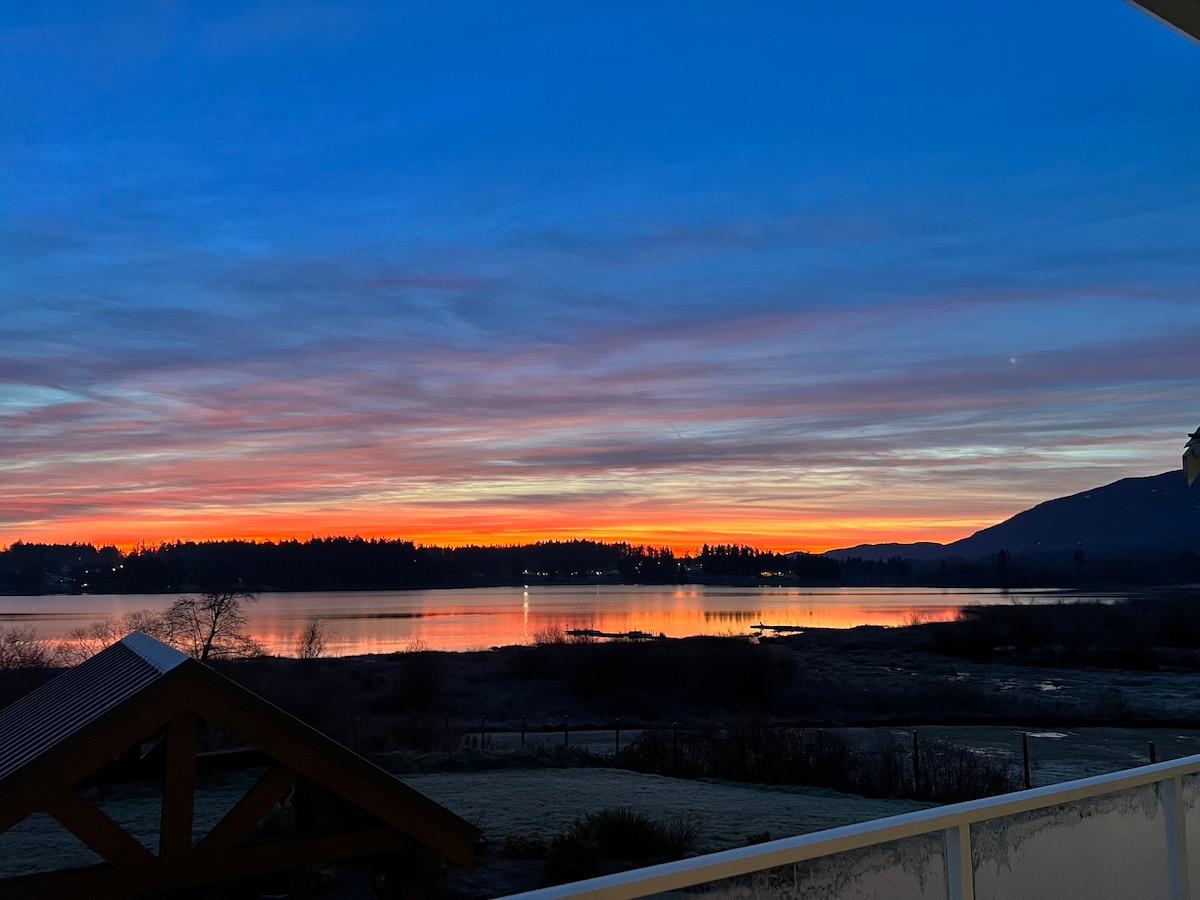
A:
(797, 275)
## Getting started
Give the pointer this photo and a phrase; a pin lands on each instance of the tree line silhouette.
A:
(355, 563)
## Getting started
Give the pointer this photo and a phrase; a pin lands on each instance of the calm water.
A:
(386, 621)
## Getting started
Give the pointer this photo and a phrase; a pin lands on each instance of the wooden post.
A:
(1153, 754)
(1025, 754)
(179, 785)
(916, 764)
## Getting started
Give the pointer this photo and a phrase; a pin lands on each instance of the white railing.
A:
(1104, 827)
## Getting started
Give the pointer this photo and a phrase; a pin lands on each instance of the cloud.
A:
(252, 280)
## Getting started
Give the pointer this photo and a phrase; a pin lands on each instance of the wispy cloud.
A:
(400, 273)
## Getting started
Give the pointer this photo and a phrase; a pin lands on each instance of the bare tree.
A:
(312, 641)
(212, 626)
(21, 648)
(88, 640)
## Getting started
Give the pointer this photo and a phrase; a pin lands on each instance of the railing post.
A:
(1171, 793)
(960, 870)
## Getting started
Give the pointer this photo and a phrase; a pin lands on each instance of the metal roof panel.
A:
(58, 709)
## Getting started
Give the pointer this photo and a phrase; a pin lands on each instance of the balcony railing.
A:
(1127, 834)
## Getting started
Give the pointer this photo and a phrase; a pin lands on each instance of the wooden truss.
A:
(342, 805)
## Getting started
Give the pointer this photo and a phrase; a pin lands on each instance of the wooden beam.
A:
(270, 856)
(150, 766)
(179, 789)
(76, 757)
(316, 756)
(239, 821)
(11, 814)
(93, 882)
(97, 882)
(88, 823)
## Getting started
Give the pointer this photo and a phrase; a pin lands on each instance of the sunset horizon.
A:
(795, 278)
(681, 539)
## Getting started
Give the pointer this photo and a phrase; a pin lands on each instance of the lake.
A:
(478, 618)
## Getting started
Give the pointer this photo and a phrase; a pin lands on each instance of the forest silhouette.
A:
(355, 563)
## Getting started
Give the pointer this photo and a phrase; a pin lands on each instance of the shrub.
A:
(624, 833)
(524, 846)
(21, 648)
(620, 833)
(572, 856)
(679, 836)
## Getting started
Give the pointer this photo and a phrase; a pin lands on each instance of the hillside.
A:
(1157, 516)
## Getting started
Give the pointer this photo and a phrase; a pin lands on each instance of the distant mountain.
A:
(919, 550)
(1155, 516)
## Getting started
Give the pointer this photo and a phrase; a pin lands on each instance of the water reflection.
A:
(388, 621)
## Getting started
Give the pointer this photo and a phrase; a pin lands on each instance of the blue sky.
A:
(790, 274)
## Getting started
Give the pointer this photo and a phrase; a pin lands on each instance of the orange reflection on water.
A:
(482, 618)
(361, 622)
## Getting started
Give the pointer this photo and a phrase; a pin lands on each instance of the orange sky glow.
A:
(388, 271)
(683, 535)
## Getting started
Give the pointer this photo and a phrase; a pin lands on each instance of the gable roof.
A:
(40, 719)
(55, 738)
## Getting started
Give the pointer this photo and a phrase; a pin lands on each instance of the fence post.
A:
(916, 765)
(1153, 754)
(1025, 755)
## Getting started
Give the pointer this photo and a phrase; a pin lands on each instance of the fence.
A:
(875, 762)
(1129, 834)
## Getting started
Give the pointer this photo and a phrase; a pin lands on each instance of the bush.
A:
(679, 836)
(619, 833)
(21, 648)
(524, 846)
(572, 856)
(624, 833)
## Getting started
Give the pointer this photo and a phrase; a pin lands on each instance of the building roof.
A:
(97, 718)
(79, 696)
